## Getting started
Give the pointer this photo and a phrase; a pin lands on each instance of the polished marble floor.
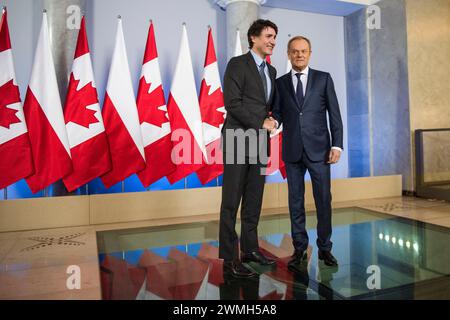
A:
(380, 257)
(177, 258)
(34, 264)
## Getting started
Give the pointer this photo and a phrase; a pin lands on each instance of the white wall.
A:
(327, 39)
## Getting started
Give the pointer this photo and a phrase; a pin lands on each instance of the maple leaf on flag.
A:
(77, 101)
(209, 103)
(9, 94)
(151, 103)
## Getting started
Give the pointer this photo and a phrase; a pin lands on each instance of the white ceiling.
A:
(330, 7)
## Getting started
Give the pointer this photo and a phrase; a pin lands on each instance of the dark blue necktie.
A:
(263, 77)
(299, 92)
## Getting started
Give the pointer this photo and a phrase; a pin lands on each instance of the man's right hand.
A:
(270, 124)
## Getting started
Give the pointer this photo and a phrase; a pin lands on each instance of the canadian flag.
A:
(189, 152)
(45, 120)
(213, 113)
(153, 117)
(84, 122)
(121, 118)
(16, 161)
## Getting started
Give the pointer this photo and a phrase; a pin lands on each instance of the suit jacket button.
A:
(301, 113)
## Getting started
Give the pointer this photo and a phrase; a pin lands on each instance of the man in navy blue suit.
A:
(303, 98)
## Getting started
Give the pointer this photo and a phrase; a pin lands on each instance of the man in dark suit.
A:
(304, 96)
(249, 88)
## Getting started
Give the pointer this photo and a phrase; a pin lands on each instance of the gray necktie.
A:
(263, 77)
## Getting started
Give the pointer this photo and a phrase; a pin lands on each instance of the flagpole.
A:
(185, 179)
(151, 22)
(119, 17)
(46, 188)
(217, 178)
(5, 191)
(44, 11)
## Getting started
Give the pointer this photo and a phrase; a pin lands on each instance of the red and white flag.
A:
(237, 44)
(153, 117)
(45, 119)
(16, 161)
(84, 122)
(121, 118)
(213, 114)
(288, 66)
(189, 152)
(275, 162)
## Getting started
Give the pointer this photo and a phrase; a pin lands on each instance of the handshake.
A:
(270, 124)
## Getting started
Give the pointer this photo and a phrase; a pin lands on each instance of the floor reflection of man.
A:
(239, 288)
(324, 277)
(301, 284)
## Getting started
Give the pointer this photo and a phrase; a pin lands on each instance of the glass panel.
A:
(436, 155)
(411, 259)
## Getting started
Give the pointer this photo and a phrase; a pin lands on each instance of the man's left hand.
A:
(334, 156)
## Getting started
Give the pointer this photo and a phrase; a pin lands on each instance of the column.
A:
(63, 20)
(240, 15)
(378, 94)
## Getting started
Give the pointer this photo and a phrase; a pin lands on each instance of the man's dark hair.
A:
(257, 27)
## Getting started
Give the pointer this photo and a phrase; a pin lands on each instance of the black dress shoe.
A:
(257, 257)
(237, 269)
(298, 257)
(327, 258)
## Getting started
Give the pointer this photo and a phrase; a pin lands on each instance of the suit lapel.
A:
(311, 78)
(252, 64)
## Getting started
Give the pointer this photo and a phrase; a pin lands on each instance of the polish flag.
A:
(189, 152)
(84, 122)
(153, 117)
(213, 113)
(45, 119)
(275, 162)
(121, 118)
(288, 66)
(16, 161)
